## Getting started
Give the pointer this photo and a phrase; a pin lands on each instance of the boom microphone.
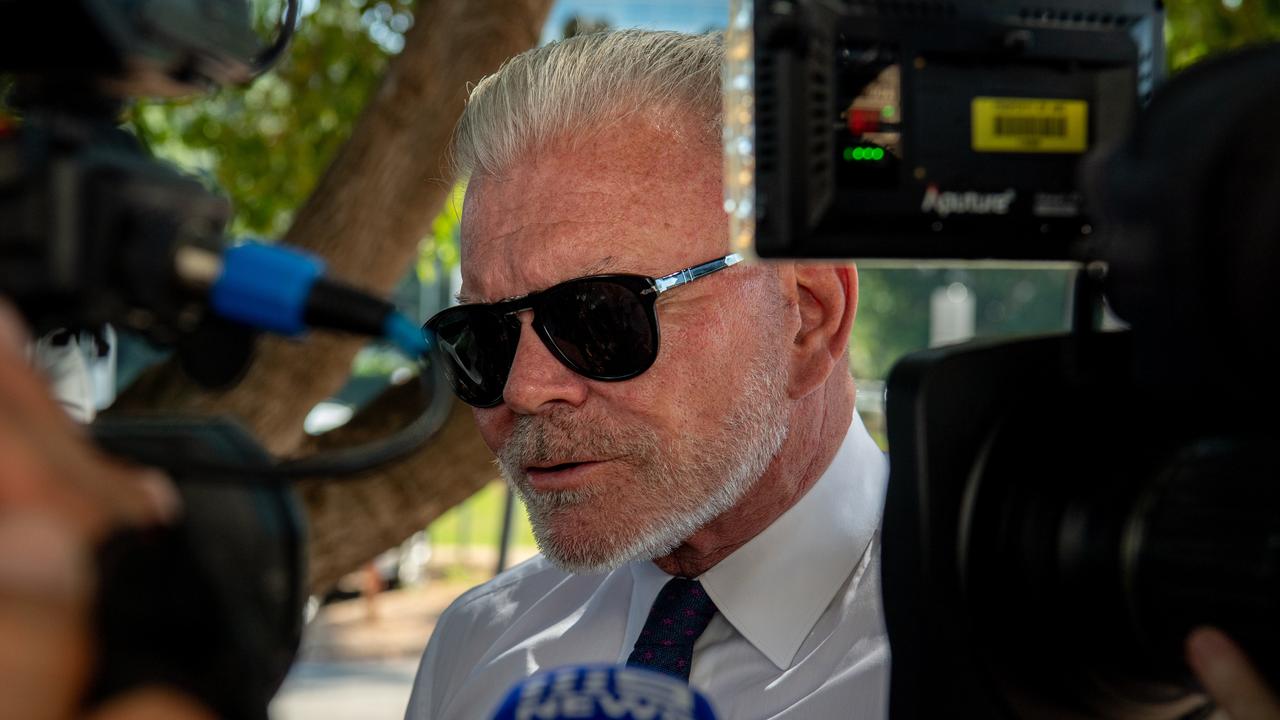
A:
(600, 692)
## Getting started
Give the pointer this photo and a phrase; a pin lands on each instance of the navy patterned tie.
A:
(678, 617)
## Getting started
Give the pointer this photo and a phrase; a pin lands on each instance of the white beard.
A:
(735, 456)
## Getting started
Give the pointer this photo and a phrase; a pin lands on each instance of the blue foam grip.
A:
(265, 286)
(412, 340)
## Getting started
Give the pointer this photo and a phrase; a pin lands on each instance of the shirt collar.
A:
(774, 588)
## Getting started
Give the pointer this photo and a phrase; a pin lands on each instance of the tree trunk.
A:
(354, 519)
(367, 216)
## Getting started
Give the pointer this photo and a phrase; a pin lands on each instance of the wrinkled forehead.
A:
(633, 199)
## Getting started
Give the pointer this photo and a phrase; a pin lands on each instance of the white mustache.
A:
(567, 436)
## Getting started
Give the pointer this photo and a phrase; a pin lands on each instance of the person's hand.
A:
(59, 496)
(1229, 677)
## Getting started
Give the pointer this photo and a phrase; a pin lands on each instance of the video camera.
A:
(1059, 515)
(94, 231)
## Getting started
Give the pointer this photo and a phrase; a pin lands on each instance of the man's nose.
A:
(538, 380)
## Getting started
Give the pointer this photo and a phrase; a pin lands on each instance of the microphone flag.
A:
(604, 692)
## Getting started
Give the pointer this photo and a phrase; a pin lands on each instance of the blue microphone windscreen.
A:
(614, 692)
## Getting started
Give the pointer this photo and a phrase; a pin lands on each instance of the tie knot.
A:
(686, 598)
(680, 613)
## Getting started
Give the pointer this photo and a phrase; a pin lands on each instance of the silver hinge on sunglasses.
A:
(665, 283)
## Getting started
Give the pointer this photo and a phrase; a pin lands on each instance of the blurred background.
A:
(268, 146)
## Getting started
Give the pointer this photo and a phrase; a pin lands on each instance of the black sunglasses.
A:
(603, 327)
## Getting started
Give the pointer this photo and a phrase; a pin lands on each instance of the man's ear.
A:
(827, 300)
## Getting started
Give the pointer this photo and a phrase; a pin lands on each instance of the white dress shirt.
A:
(799, 633)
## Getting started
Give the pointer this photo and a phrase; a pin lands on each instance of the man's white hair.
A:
(570, 88)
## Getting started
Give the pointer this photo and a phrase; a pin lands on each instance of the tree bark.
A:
(373, 206)
(354, 519)
(371, 209)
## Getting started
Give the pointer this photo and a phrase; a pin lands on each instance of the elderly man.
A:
(716, 477)
(680, 427)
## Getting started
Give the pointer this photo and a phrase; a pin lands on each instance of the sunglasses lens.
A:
(604, 327)
(478, 348)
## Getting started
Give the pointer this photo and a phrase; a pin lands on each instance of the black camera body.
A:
(1053, 531)
(93, 230)
(90, 229)
(940, 129)
(213, 605)
(1060, 512)
(91, 225)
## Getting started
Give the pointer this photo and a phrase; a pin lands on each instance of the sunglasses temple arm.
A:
(688, 275)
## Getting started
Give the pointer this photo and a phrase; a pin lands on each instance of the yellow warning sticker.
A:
(1030, 125)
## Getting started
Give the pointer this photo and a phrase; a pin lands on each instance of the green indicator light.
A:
(888, 111)
(861, 154)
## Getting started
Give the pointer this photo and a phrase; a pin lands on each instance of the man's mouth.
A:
(560, 476)
(551, 467)
(555, 468)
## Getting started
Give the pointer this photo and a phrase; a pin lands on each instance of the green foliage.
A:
(478, 521)
(440, 248)
(894, 308)
(267, 145)
(1195, 29)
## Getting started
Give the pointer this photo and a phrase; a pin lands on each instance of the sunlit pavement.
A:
(357, 661)
(358, 657)
(364, 690)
